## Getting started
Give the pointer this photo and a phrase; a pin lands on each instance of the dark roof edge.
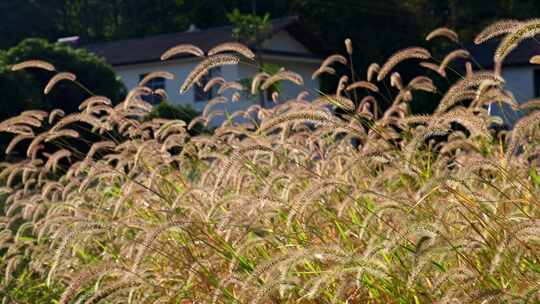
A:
(510, 65)
(282, 22)
(265, 52)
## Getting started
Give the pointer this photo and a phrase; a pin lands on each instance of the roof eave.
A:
(267, 52)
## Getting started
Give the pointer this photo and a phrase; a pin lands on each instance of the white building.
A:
(289, 45)
(521, 77)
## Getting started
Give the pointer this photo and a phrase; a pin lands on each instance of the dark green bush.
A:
(23, 90)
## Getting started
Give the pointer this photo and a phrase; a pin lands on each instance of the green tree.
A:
(375, 20)
(20, 19)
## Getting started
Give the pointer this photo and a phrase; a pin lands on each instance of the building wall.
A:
(289, 90)
(130, 75)
(519, 81)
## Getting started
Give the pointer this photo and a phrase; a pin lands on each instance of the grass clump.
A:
(332, 199)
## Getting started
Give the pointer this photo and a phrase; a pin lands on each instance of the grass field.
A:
(337, 198)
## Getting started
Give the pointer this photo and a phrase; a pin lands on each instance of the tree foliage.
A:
(250, 28)
(114, 19)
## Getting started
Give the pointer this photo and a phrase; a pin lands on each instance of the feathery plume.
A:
(232, 47)
(364, 85)
(348, 46)
(54, 158)
(35, 145)
(212, 82)
(443, 32)
(17, 139)
(182, 49)
(373, 69)
(334, 58)
(57, 78)
(82, 278)
(203, 67)
(535, 59)
(323, 70)
(395, 81)
(534, 103)
(521, 32)
(342, 84)
(156, 74)
(422, 83)
(469, 69)
(230, 85)
(36, 114)
(75, 117)
(89, 102)
(56, 113)
(338, 101)
(434, 67)
(162, 93)
(496, 29)
(461, 88)
(257, 80)
(521, 129)
(451, 57)
(282, 75)
(197, 120)
(33, 64)
(316, 117)
(408, 53)
(133, 95)
(236, 97)
(214, 101)
(61, 133)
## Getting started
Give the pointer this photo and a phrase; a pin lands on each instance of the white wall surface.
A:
(288, 89)
(519, 81)
(130, 75)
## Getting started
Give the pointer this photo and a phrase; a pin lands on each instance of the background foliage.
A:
(397, 23)
(24, 90)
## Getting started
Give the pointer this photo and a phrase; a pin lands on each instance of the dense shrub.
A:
(24, 91)
(93, 72)
(294, 204)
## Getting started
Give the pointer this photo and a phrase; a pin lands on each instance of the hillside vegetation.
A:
(338, 198)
